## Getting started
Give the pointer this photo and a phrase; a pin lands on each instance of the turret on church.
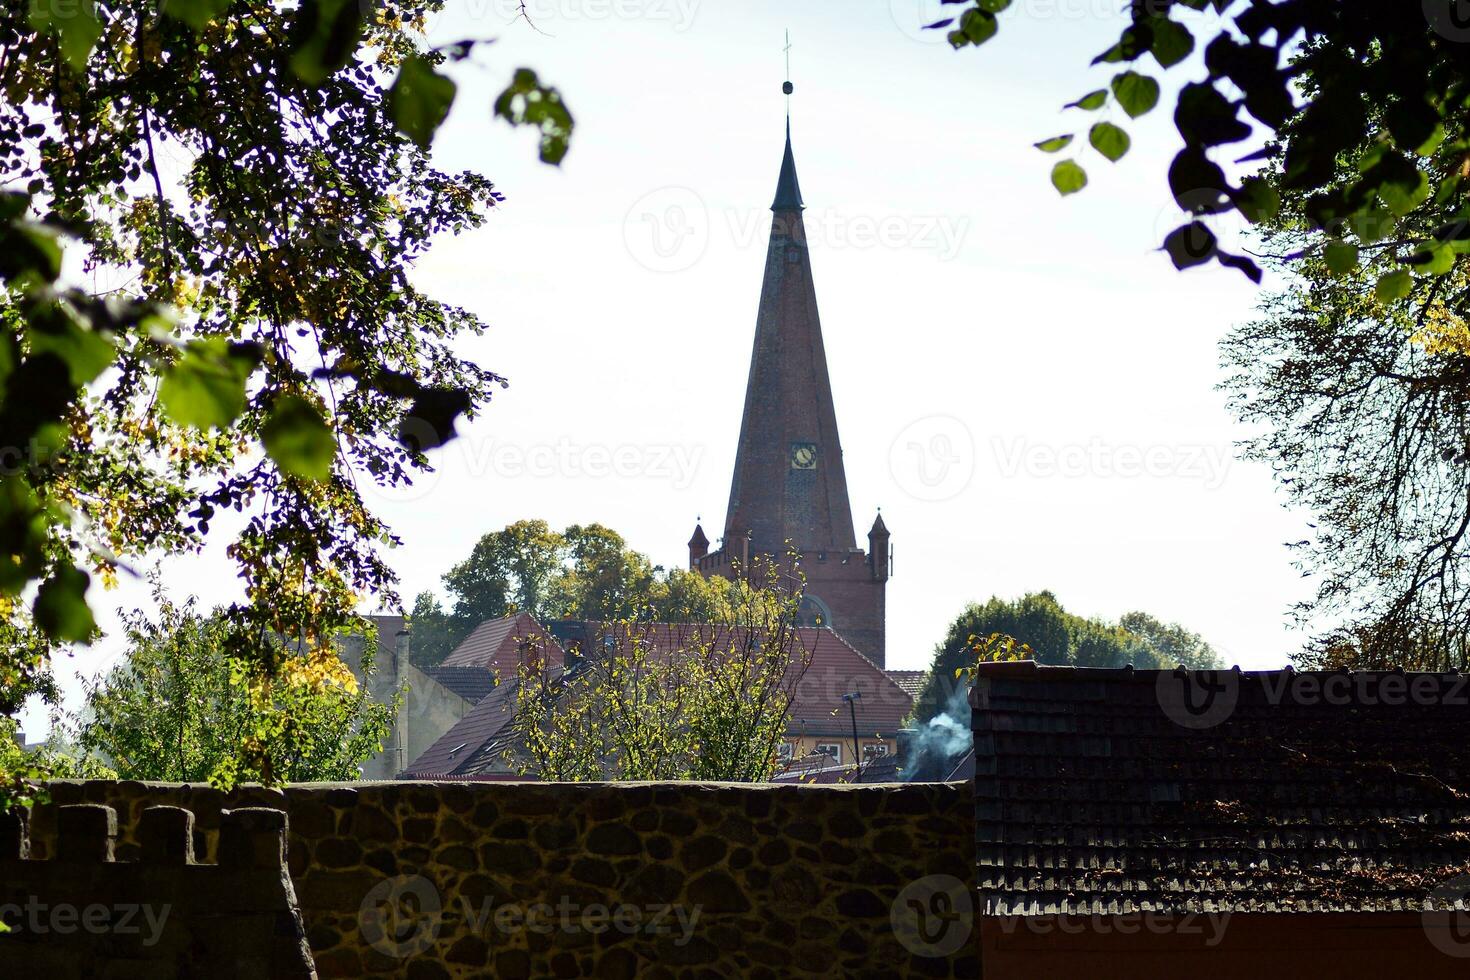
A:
(789, 490)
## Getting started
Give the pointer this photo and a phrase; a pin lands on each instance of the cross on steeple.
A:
(786, 86)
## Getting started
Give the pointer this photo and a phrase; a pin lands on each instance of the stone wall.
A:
(72, 910)
(432, 880)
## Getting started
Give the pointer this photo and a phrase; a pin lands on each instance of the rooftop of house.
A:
(833, 668)
(1116, 790)
(912, 681)
(476, 743)
(470, 683)
(501, 644)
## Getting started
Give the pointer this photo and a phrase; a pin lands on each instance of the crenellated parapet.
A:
(164, 914)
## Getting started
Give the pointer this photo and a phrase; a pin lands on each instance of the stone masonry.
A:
(665, 881)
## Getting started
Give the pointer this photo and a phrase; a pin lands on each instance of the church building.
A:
(789, 491)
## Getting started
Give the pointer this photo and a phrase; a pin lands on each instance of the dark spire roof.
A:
(879, 528)
(789, 482)
(788, 188)
(699, 540)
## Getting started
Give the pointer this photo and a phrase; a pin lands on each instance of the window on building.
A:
(834, 749)
(873, 749)
(784, 751)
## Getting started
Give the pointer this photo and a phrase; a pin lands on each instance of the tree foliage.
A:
(1363, 410)
(244, 188)
(1362, 106)
(1051, 635)
(700, 701)
(179, 708)
(586, 572)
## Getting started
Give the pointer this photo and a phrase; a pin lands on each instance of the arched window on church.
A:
(813, 612)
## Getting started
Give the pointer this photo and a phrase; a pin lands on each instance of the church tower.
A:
(789, 490)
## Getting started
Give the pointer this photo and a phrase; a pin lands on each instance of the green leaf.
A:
(1055, 144)
(1092, 101)
(1341, 258)
(1068, 178)
(978, 26)
(28, 251)
(993, 6)
(1433, 260)
(87, 353)
(1413, 123)
(1110, 141)
(75, 24)
(1257, 200)
(205, 388)
(527, 102)
(1372, 225)
(61, 606)
(419, 100)
(298, 439)
(1403, 196)
(196, 13)
(1136, 93)
(324, 36)
(1394, 286)
(1172, 42)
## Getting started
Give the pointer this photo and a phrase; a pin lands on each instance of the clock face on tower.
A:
(803, 455)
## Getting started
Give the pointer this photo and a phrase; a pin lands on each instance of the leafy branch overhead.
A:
(1362, 107)
(253, 212)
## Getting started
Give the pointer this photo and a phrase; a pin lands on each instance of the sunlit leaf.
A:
(1136, 93)
(419, 100)
(1110, 141)
(1068, 178)
(299, 439)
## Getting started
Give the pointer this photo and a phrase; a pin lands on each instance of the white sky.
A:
(1023, 383)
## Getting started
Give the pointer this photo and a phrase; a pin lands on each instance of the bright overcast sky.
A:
(1023, 383)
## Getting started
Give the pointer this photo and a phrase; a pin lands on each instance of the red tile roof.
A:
(500, 645)
(912, 681)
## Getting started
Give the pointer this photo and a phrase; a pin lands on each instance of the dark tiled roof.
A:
(498, 645)
(912, 681)
(483, 728)
(470, 683)
(1102, 790)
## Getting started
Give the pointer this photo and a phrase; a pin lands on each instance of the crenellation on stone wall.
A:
(73, 908)
(539, 879)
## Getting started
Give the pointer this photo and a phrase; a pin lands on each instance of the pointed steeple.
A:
(788, 188)
(789, 483)
(698, 544)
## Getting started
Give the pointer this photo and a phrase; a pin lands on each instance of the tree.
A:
(1325, 79)
(703, 701)
(1056, 637)
(256, 344)
(1363, 411)
(586, 572)
(179, 708)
